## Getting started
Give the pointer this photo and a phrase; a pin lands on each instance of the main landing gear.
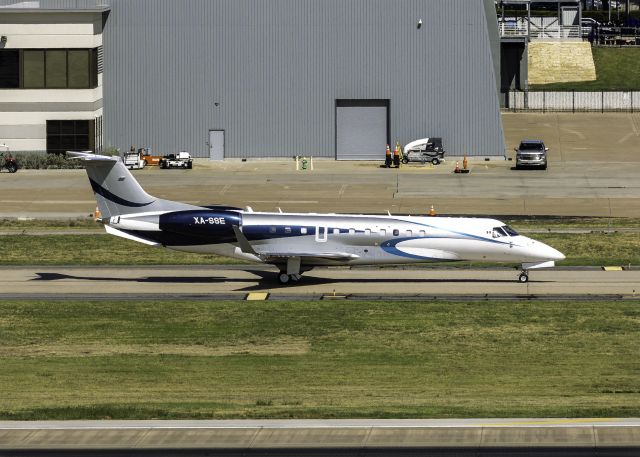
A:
(524, 277)
(291, 272)
(284, 278)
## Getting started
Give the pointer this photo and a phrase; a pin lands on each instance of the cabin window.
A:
(272, 229)
(336, 231)
(396, 232)
(303, 230)
(422, 234)
(352, 231)
(287, 230)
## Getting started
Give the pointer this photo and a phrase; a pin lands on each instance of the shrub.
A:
(42, 160)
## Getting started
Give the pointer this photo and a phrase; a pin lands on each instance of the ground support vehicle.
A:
(531, 153)
(149, 159)
(179, 160)
(133, 160)
(424, 150)
(7, 161)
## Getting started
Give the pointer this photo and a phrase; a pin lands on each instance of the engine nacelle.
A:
(216, 225)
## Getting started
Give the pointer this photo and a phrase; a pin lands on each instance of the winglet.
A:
(245, 246)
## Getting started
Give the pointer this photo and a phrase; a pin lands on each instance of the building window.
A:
(79, 69)
(56, 69)
(33, 69)
(59, 68)
(63, 136)
(9, 69)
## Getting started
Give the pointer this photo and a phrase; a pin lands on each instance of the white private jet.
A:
(296, 242)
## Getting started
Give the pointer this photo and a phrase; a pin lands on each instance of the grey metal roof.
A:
(97, 9)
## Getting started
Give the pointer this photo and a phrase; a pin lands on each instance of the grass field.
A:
(318, 359)
(616, 69)
(621, 248)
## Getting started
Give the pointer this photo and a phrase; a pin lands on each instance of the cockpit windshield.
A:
(505, 230)
(509, 230)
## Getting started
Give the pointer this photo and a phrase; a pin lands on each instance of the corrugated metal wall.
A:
(276, 68)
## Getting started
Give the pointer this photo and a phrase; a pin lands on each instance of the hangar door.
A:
(362, 129)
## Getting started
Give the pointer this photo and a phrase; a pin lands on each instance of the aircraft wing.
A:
(271, 256)
(338, 256)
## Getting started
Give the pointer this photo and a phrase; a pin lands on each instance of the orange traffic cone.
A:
(387, 160)
(457, 169)
(432, 211)
(97, 215)
(465, 163)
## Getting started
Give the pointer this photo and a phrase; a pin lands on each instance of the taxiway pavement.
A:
(238, 281)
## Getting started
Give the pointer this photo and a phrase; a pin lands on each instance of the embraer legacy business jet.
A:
(296, 243)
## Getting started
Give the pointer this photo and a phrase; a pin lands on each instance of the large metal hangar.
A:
(251, 78)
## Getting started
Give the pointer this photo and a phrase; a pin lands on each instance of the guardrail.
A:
(540, 32)
(572, 101)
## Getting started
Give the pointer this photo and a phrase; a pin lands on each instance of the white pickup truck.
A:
(180, 160)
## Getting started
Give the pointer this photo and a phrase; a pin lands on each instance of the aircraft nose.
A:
(550, 253)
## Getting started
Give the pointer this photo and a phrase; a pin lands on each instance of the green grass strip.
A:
(144, 360)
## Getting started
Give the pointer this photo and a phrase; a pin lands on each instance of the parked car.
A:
(588, 25)
(531, 153)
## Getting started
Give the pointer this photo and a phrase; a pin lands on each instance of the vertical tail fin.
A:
(117, 191)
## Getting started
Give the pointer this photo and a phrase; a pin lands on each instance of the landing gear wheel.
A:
(12, 168)
(524, 277)
(283, 278)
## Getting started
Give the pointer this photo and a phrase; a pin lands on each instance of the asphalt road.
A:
(237, 282)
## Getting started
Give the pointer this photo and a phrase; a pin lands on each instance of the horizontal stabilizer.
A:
(88, 155)
(113, 231)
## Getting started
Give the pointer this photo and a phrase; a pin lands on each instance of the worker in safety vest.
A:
(387, 159)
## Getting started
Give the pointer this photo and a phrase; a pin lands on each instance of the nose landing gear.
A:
(524, 277)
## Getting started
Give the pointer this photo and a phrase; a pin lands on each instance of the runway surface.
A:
(239, 281)
(472, 437)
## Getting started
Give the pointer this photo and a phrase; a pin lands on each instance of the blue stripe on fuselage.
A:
(98, 189)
